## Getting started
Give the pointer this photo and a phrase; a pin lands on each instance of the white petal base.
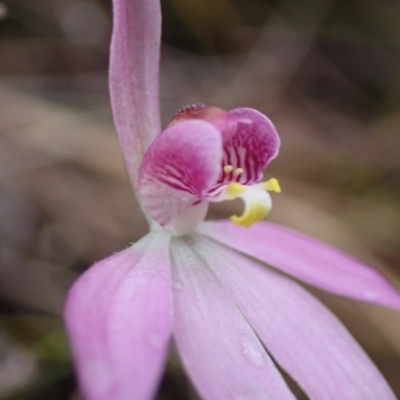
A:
(186, 223)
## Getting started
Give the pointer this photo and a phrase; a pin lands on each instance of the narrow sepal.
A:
(307, 259)
(134, 67)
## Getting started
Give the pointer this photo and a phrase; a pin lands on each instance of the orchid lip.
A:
(257, 201)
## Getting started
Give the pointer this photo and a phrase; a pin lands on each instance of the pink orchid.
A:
(206, 282)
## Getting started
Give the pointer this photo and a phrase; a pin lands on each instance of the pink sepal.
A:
(134, 64)
(119, 320)
(307, 259)
(218, 347)
(302, 335)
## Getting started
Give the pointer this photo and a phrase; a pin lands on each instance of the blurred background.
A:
(327, 72)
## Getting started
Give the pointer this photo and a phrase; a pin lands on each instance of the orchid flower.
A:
(220, 288)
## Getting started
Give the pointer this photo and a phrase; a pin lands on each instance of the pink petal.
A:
(118, 316)
(254, 144)
(219, 349)
(304, 337)
(134, 59)
(307, 259)
(180, 165)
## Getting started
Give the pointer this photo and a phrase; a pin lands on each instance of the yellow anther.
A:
(253, 213)
(272, 185)
(228, 168)
(233, 189)
(239, 171)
